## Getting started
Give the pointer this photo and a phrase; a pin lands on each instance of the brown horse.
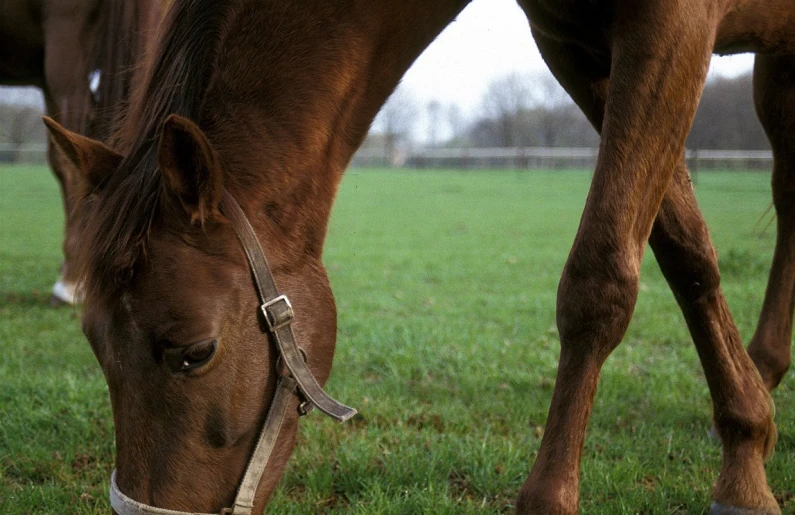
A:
(265, 102)
(80, 53)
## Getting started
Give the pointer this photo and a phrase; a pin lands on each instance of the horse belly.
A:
(22, 41)
(763, 26)
(581, 22)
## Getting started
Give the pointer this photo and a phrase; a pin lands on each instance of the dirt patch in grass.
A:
(463, 492)
(786, 500)
(426, 421)
(84, 462)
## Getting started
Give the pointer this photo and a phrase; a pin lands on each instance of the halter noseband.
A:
(278, 315)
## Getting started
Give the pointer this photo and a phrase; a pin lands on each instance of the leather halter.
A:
(278, 315)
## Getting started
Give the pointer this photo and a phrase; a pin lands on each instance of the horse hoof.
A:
(720, 509)
(63, 293)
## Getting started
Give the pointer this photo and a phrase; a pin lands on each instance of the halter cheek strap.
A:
(278, 314)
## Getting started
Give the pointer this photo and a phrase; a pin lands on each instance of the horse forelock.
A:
(119, 217)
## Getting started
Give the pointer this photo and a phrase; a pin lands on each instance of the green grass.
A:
(445, 283)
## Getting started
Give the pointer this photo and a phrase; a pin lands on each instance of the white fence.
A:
(28, 154)
(539, 157)
(512, 158)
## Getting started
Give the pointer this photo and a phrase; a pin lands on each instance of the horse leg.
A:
(774, 92)
(741, 404)
(599, 285)
(66, 96)
(65, 290)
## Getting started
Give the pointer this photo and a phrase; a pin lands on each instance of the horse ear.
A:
(190, 167)
(92, 158)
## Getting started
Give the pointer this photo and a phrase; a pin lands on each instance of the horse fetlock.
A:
(754, 427)
(742, 485)
(743, 491)
(771, 433)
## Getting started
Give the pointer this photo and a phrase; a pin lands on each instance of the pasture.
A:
(445, 284)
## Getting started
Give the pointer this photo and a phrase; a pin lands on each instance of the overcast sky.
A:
(491, 38)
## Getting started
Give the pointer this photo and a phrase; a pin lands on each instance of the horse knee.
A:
(689, 263)
(595, 304)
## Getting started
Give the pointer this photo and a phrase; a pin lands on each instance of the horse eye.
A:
(183, 359)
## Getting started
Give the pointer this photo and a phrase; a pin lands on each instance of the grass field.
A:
(445, 283)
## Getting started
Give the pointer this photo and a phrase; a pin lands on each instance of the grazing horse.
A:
(80, 53)
(245, 119)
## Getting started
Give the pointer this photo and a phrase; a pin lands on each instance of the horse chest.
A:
(756, 26)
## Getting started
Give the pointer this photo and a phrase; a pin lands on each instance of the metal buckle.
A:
(278, 312)
(304, 408)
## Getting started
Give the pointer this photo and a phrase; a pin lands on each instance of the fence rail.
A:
(540, 157)
(28, 153)
(516, 158)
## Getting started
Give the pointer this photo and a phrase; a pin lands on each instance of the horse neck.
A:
(294, 94)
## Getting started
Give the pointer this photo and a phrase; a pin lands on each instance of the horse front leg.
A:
(660, 56)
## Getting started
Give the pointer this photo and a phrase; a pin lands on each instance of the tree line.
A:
(20, 121)
(515, 111)
(534, 111)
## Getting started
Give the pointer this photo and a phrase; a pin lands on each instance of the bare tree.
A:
(726, 118)
(20, 119)
(434, 110)
(504, 102)
(456, 123)
(530, 110)
(396, 121)
(555, 111)
(547, 92)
